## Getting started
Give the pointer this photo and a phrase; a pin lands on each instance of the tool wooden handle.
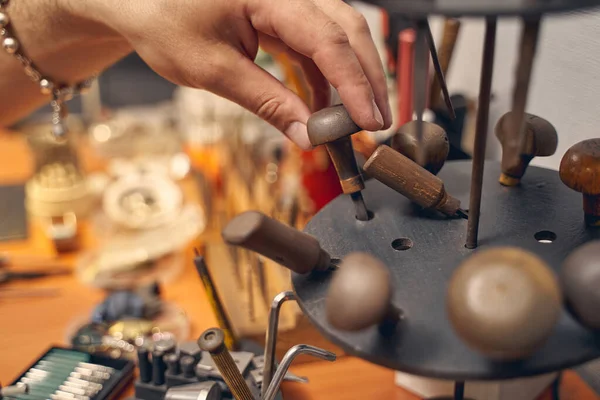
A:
(408, 178)
(289, 247)
(342, 155)
(445, 53)
(213, 341)
(541, 140)
(504, 302)
(330, 124)
(435, 144)
(360, 293)
(580, 170)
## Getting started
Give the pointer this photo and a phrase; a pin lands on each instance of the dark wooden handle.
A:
(360, 293)
(342, 155)
(408, 178)
(283, 244)
(580, 170)
(435, 144)
(445, 52)
(330, 124)
(541, 140)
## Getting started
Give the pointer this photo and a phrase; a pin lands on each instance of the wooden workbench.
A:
(30, 326)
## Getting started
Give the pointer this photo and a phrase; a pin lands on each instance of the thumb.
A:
(248, 85)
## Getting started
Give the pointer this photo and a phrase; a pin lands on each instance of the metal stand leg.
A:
(459, 391)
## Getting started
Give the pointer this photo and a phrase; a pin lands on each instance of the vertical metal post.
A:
(420, 82)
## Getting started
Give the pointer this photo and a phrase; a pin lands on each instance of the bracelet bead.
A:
(11, 45)
(46, 86)
(4, 20)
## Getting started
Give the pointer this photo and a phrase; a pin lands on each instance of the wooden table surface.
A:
(30, 326)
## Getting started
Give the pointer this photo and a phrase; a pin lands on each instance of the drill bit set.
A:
(65, 374)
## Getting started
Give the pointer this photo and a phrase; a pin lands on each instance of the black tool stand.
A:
(423, 250)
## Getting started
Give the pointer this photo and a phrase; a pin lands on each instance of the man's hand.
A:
(211, 44)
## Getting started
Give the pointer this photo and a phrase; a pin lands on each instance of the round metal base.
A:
(481, 8)
(541, 215)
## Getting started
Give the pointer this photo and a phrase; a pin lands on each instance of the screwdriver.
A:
(413, 181)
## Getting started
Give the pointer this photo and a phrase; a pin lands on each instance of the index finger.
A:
(305, 28)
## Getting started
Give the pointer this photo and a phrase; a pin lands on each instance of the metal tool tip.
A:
(462, 213)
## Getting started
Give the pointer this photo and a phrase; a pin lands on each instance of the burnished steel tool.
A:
(481, 132)
(411, 180)
(580, 281)
(435, 145)
(504, 302)
(333, 127)
(580, 170)
(213, 341)
(271, 337)
(287, 361)
(283, 244)
(439, 71)
(360, 295)
(515, 141)
(446, 51)
(541, 140)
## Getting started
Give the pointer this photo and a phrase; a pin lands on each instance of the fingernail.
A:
(377, 114)
(390, 116)
(298, 134)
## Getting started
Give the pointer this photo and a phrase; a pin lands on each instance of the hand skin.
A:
(207, 44)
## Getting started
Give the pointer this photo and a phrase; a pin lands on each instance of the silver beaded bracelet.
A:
(60, 92)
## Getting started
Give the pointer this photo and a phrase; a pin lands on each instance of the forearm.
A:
(64, 45)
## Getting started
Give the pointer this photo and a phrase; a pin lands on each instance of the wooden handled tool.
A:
(289, 247)
(333, 127)
(580, 170)
(413, 181)
(541, 140)
(580, 280)
(360, 295)
(435, 145)
(213, 341)
(504, 302)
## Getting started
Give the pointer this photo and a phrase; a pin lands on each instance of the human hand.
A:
(211, 44)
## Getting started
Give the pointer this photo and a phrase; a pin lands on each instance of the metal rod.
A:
(271, 338)
(459, 391)
(420, 83)
(445, 52)
(287, 361)
(481, 132)
(362, 214)
(441, 80)
(528, 47)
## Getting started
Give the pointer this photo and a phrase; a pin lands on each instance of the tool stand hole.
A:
(545, 237)
(402, 244)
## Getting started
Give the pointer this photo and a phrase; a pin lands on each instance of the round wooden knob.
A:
(580, 278)
(435, 144)
(541, 140)
(360, 293)
(504, 302)
(330, 124)
(580, 170)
